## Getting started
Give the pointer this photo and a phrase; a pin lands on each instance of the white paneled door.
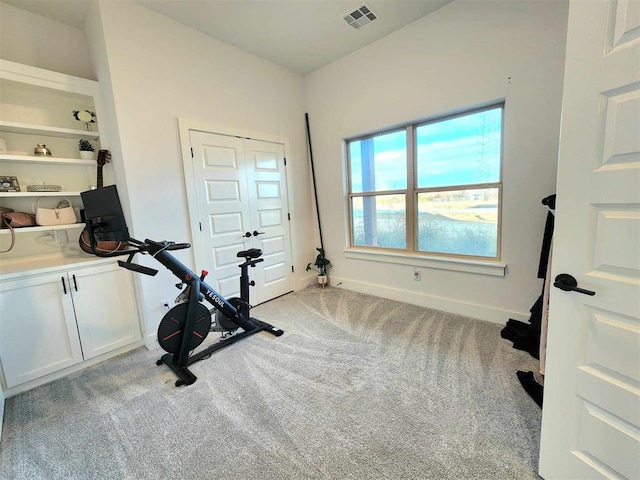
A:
(591, 413)
(241, 192)
(267, 185)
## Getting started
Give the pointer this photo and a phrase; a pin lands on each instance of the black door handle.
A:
(247, 234)
(256, 233)
(568, 283)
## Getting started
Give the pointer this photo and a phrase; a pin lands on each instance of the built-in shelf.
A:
(6, 231)
(36, 107)
(38, 194)
(16, 127)
(34, 160)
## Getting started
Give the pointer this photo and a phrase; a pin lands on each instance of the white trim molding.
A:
(185, 126)
(479, 312)
(1, 411)
(483, 267)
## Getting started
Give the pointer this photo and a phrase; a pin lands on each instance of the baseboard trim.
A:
(305, 282)
(480, 312)
(1, 413)
(151, 341)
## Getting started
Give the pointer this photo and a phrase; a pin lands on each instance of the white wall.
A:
(464, 54)
(152, 70)
(37, 41)
(160, 70)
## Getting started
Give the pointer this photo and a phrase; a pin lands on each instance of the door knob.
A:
(247, 234)
(568, 283)
(256, 233)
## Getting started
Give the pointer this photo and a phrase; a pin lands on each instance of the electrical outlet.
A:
(417, 275)
(166, 305)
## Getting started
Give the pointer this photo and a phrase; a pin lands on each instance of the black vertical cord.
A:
(313, 175)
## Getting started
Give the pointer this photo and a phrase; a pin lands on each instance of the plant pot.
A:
(87, 155)
(323, 280)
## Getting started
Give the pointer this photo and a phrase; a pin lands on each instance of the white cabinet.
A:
(38, 332)
(53, 321)
(60, 309)
(37, 107)
(105, 309)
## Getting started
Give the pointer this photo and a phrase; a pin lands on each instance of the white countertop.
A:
(39, 264)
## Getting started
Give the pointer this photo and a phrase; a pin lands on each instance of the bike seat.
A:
(251, 253)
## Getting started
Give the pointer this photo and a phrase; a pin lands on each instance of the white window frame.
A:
(410, 255)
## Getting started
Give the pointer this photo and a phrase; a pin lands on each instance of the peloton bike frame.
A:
(105, 222)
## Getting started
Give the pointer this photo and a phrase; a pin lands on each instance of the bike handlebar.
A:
(148, 246)
(166, 245)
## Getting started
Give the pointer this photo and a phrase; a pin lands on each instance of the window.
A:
(431, 187)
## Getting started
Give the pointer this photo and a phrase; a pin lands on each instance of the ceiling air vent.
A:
(360, 17)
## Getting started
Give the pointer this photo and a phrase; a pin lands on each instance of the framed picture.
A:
(9, 184)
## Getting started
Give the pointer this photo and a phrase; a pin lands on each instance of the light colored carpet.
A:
(358, 387)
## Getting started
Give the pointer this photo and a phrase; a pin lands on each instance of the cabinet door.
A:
(38, 332)
(105, 307)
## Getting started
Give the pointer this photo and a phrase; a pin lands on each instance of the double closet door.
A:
(241, 196)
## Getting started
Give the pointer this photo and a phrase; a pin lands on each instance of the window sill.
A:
(483, 267)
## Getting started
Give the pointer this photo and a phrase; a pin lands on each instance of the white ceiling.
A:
(302, 35)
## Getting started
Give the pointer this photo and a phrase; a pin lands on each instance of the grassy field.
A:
(465, 227)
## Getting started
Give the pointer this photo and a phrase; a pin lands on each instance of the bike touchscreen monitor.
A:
(104, 215)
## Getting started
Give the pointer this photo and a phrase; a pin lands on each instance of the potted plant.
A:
(321, 265)
(87, 151)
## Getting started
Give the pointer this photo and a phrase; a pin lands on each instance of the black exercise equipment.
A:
(105, 222)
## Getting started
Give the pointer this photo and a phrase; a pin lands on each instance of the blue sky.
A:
(458, 151)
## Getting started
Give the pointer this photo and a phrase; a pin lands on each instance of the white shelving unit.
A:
(98, 317)
(32, 160)
(37, 194)
(25, 128)
(36, 107)
(43, 229)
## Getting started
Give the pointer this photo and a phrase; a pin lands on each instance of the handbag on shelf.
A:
(13, 220)
(61, 215)
(18, 220)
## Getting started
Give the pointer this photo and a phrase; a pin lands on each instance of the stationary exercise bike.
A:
(105, 222)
